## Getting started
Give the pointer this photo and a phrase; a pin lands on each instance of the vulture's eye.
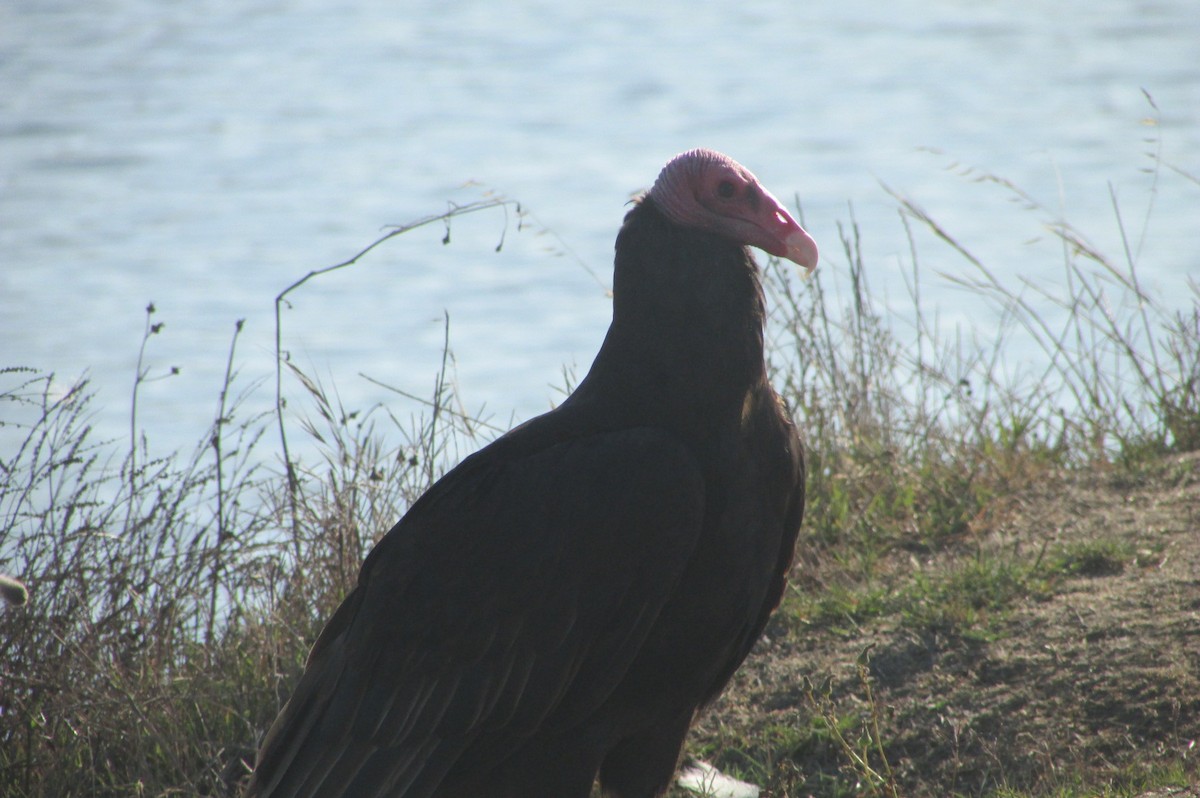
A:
(725, 189)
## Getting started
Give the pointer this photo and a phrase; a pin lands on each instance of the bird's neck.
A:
(686, 342)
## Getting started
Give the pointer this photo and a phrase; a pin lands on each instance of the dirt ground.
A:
(1092, 681)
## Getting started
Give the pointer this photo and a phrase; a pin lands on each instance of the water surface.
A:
(204, 155)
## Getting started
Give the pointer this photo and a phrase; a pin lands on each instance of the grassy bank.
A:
(173, 599)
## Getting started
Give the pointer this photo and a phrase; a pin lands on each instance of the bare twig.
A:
(280, 357)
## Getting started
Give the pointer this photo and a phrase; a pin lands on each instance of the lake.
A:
(204, 155)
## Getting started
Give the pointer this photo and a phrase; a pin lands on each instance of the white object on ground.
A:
(705, 780)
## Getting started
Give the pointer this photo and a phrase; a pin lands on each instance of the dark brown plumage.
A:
(560, 604)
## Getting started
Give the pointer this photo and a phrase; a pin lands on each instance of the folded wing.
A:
(511, 599)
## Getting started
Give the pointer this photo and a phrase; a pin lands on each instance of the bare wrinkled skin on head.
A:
(707, 190)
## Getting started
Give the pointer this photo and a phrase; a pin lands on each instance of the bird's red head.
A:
(707, 190)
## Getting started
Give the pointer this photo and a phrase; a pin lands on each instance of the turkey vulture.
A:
(559, 605)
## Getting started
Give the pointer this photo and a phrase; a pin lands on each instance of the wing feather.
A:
(517, 591)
